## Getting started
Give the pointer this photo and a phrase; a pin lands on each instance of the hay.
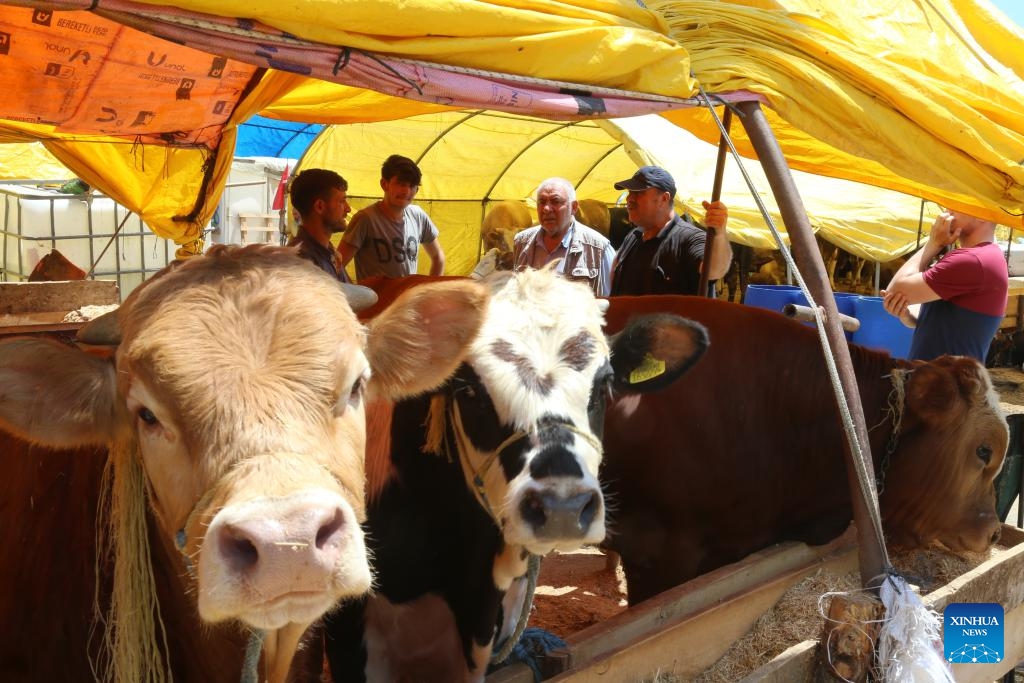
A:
(129, 652)
(797, 617)
(793, 619)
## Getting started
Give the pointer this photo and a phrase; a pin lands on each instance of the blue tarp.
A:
(263, 137)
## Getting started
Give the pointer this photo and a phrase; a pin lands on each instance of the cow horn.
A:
(102, 331)
(359, 297)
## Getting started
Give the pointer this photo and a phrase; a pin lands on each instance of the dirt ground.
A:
(576, 590)
(1009, 383)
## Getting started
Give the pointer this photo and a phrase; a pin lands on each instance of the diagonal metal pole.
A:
(873, 557)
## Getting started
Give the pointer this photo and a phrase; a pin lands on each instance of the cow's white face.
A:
(526, 409)
(525, 403)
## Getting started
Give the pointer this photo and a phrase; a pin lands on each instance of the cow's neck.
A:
(875, 379)
(447, 544)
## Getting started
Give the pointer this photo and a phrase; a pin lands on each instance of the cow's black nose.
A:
(553, 516)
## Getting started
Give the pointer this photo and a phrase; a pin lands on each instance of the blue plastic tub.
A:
(879, 330)
(775, 298)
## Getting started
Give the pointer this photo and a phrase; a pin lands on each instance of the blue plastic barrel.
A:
(879, 330)
(845, 303)
(775, 298)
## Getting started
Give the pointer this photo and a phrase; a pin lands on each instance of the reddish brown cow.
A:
(233, 412)
(748, 450)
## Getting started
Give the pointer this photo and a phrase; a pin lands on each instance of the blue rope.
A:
(531, 648)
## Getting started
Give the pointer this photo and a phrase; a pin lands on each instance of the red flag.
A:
(279, 195)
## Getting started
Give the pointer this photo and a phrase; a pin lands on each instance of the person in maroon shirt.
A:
(962, 296)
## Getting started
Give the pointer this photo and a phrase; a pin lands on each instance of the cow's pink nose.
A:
(245, 544)
(303, 540)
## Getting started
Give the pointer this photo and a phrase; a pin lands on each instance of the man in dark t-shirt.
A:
(962, 295)
(665, 253)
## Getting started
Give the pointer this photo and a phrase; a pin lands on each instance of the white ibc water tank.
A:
(36, 221)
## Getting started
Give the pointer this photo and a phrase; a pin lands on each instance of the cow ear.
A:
(417, 342)
(931, 390)
(934, 386)
(653, 351)
(55, 395)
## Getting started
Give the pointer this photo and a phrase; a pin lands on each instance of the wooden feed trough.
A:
(31, 307)
(686, 629)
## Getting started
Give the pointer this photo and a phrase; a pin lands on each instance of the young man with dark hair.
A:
(319, 197)
(384, 238)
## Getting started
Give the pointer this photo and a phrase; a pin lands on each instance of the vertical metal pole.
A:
(716, 194)
(873, 557)
(920, 224)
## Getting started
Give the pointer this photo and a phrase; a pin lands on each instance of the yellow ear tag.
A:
(650, 368)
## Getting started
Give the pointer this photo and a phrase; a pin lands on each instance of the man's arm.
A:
(347, 251)
(715, 218)
(352, 239)
(908, 285)
(436, 254)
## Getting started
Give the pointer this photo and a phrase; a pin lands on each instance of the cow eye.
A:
(358, 389)
(147, 416)
(985, 453)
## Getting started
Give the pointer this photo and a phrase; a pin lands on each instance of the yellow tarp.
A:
(924, 98)
(911, 96)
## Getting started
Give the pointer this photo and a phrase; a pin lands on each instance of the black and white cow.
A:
(498, 463)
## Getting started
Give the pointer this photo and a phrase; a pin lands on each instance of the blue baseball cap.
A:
(649, 176)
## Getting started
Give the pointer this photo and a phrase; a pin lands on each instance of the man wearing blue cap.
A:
(665, 254)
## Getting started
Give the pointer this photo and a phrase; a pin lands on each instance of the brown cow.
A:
(748, 450)
(234, 408)
(594, 214)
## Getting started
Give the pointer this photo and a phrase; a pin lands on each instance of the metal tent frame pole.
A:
(873, 557)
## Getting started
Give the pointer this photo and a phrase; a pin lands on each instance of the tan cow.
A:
(594, 213)
(503, 220)
(234, 407)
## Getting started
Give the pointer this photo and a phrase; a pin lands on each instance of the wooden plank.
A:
(793, 664)
(691, 645)
(38, 297)
(996, 580)
(691, 642)
(796, 663)
(686, 629)
(719, 588)
(999, 579)
(698, 594)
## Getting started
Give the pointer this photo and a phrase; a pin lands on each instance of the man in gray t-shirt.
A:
(384, 238)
